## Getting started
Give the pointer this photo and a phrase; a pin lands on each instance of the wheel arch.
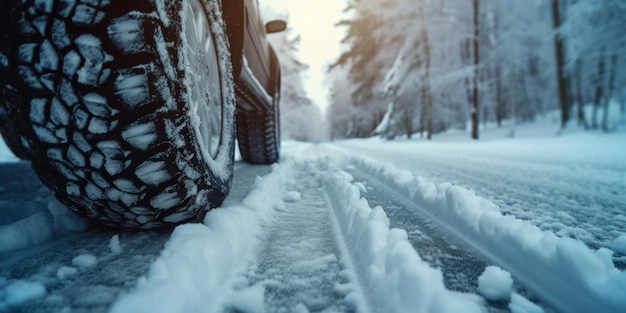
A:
(234, 18)
(275, 68)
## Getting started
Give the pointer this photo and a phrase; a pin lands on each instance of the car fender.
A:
(275, 69)
(234, 18)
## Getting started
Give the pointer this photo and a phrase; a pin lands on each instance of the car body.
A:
(255, 64)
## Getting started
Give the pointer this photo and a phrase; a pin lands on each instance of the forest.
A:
(424, 67)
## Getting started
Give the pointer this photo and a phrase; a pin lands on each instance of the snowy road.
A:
(335, 228)
(581, 197)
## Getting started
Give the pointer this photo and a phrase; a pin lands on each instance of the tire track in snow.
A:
(571, 201)
(243, 178)
(561, 271)
(299, 262)
(460, 264)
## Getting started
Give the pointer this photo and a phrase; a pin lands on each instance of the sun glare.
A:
(315, 21)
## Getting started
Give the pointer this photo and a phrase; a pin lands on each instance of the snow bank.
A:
(22, 291)
(26, 232)
(40, 227)
(64, 219)
(563, 271)
(393, 276)
(201, 263)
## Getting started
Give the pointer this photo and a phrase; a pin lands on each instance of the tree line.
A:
(429, 66)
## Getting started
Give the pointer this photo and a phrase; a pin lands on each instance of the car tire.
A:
(128, 107)
(258, 132)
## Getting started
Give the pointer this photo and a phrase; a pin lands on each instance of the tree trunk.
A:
(622, 102)
(426, 92)
(560, 64)
(600, 92)
(429, 115)
(500, 104)
(609, 93)
(579, 98)
(408, 123)
(422, 119)
(596, 104)
(474, 109)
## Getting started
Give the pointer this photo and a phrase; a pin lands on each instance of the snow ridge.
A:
(392, 275)
(564, 271)
(201, 264)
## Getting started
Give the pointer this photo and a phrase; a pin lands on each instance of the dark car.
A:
(126, 109)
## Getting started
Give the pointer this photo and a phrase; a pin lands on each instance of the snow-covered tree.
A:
(364, 65)
(300, 118)
(415, 62)
(593, 33)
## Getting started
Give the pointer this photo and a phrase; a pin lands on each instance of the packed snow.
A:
(66, 271)
(495, 284)
(22, 291)
(85, 261)
(115, 245)
(207, 267)
(519, 304)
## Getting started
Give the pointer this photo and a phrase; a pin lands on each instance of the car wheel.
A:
(128, 106)
(258, 132)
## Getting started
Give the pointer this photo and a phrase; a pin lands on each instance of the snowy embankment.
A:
(563, 271)
(39, 227)
(201, 263)
(393, 276)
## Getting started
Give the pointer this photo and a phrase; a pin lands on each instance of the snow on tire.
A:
(128, 106)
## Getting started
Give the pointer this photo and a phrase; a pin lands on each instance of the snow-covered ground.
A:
(544, 215)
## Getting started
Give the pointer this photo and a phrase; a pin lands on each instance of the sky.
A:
(315, 21)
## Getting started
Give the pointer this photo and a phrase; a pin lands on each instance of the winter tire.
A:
(258, 132)
(128, 107)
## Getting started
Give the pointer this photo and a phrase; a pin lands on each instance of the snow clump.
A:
(22, 291)
(495, 284)
(619, 245)
(65, 219)
(292, 196)
(85, 261)
(66, 271)
(114, 245)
